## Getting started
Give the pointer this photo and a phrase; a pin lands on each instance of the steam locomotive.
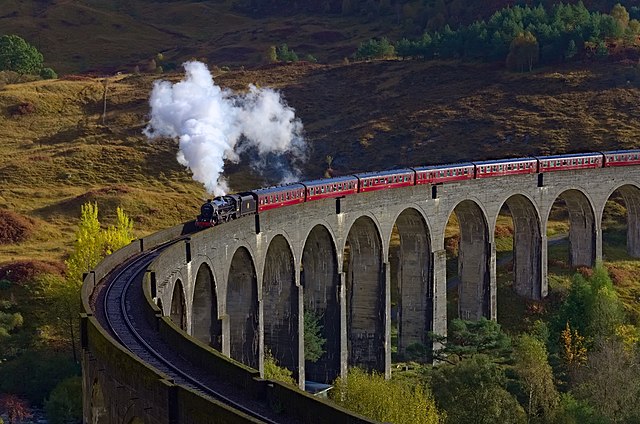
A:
(225, 208)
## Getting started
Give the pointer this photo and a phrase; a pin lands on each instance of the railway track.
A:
(122, 311)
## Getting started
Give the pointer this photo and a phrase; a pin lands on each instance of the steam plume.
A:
(214, 125)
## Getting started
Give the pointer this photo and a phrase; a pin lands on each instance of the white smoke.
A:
(214, 125)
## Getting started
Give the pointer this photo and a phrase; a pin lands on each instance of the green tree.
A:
(592, 306)
(48, 73)
(465, 339)
(621, 16)
(19, 56)
(375, 49)
(272, 54)
(63, 297)
(91, 246)
(286, 55)
(64, 405)
(384, 400)
(36, 372)
(573, 411)
(610, 381)
(120, 234)
(313, 340)
(474, 391)
(535, 376)
(88, 248)
(523, 52)
(571, 50)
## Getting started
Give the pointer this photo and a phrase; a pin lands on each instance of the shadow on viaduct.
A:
(243, 287)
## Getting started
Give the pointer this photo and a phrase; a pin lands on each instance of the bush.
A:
(286, 55)
(375, 49)
(64, 405)
(24, 108)
(272, 371)
(384, 400)
(48, 73)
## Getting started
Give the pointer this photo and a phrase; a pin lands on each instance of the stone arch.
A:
(321, 282)
(98, 405)
(280, 304)
(160, 306)
(630, 194)
(178, 312)
(365, 296)
(205, 325)
(527, 248)
(242, 309)
(474, 254)
(582, 227)
(411, 280)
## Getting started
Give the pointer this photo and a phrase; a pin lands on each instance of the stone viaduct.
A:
(243, 287)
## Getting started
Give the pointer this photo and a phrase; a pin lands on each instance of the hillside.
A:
(103, 37)
(367, 116)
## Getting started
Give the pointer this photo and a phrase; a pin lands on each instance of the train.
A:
(225, 208)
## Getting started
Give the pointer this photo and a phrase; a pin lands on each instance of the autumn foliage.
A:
(14, 407)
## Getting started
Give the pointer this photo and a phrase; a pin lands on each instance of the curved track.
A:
(122, 305)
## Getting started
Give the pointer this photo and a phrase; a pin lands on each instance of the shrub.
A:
(24, 108)
(48, 73)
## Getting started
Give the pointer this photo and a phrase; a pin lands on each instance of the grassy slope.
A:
(376, 115)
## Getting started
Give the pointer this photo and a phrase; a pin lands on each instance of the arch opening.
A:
(365, 296)
(321, 282)
(280, 304)
(242, 309)
(468, 255)
(411, 288)
(205, 325)
(519, 273)
(621, 224)
(178, 312)
(571, 219)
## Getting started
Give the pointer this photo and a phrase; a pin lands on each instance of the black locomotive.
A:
(225, 208)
